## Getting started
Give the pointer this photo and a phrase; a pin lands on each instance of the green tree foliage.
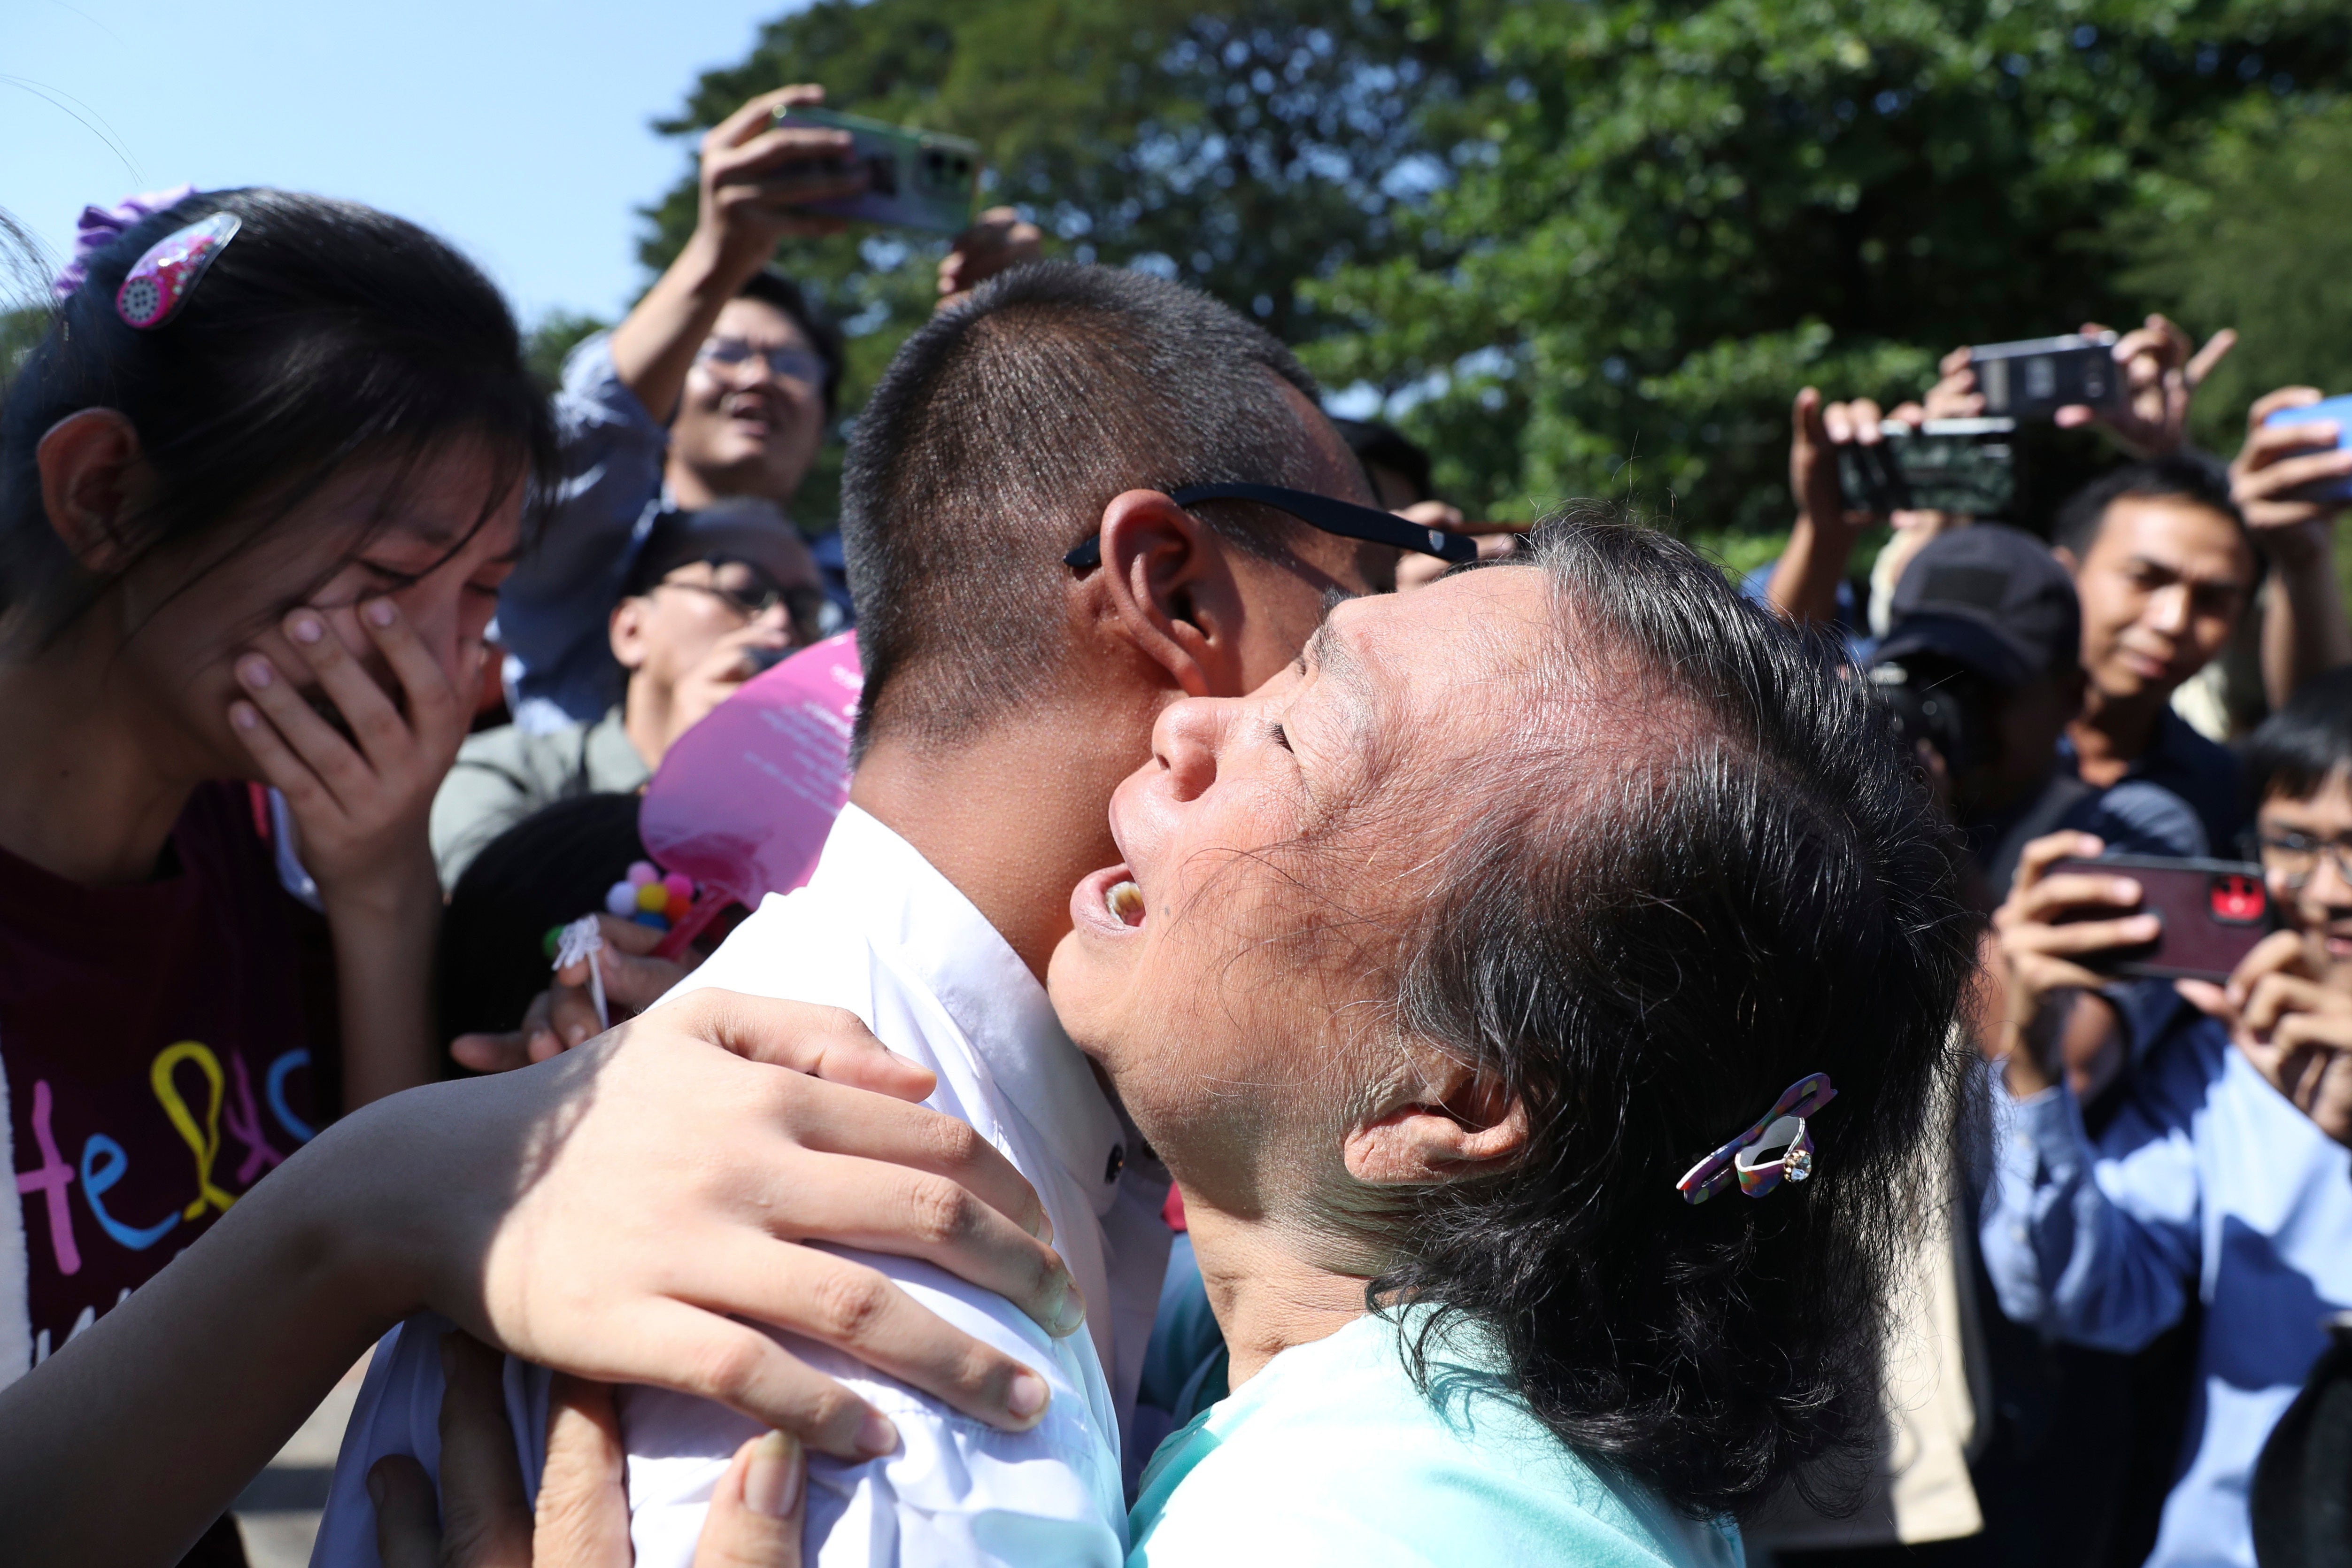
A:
(2253, 229)
(1685, 211)
(1245, 151)
(1590, 247)
(552, 337)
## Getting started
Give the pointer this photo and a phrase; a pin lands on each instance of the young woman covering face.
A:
(1430, 968)
(252, 543)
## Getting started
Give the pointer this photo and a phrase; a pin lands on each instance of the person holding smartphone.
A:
(2223, 1171)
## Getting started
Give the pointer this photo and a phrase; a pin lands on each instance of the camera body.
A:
(2035, 377)
(914, 179)
(1940, 704)
(1962, 466)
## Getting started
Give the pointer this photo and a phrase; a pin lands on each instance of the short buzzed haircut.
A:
(999, 433)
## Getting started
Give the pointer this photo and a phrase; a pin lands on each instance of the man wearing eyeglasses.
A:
(714, 596)
(2223, 1173)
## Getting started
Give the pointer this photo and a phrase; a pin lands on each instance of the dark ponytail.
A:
(324, 332)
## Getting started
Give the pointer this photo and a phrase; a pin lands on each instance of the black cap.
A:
(1992, 599)
(735, 527)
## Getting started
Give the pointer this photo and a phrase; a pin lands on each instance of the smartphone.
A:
(2214, 912)
(1965, 466)
(2338, 409)
(2034, 378)
(914, 179)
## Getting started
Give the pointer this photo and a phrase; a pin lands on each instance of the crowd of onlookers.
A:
(342, 654)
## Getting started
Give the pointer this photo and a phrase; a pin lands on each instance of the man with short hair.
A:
(712, 598)
(2164, 566)
(719, 383)
(1074, 496)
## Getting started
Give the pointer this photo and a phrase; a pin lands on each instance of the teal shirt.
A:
(1331, 1455)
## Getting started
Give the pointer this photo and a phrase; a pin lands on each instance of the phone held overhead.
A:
(914, 179)
(1962, 466)
(2035, 377)
(2334, 410)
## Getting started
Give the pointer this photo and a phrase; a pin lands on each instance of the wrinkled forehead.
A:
(1445, 677)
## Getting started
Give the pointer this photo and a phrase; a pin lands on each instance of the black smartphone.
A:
(2213, 914)
(1965, 466)
(914, 179)
(2035, 377)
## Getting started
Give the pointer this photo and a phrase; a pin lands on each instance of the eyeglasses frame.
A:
(1345, 519)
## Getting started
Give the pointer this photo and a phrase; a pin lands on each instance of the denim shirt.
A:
(555, 608)
(2206, 1181)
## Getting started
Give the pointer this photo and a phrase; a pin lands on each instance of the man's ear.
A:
(1170, 589)
(90, 472)
(2068, 559)
(1443, 1123)
(626, 631)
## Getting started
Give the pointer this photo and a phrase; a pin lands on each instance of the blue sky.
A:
(516, 128)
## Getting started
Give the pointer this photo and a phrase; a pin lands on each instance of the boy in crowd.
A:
(2208, 1179)
(713, 597)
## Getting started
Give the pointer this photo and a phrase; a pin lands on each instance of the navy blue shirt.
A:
(2200, 772)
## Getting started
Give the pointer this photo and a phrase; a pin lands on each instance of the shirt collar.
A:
(943, 941)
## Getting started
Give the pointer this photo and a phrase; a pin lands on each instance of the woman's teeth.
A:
(1125, 902)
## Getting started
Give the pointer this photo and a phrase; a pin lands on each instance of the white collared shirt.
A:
(878, 931)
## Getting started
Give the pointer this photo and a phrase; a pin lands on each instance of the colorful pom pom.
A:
(547, 943)
(652, 896)
(621, 899)
(679, 885)
(678, 904)
(648, 918)
(643, 871)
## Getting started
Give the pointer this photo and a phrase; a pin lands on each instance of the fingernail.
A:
(375, 1489)
(1027, 1395)
(1041, 1225)
(1071, 1311)
(305, 629)
(2146, 924)
(771, 1485)
(379, 611)
(876, 1434)
(244, 715)
(2126, 888)
(255, 672)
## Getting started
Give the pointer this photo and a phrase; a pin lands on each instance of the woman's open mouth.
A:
(1109, 901)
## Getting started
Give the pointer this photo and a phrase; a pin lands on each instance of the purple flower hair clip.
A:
(1776, 1146)
(101, 226)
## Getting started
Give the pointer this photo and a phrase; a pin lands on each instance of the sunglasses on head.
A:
(1345, 519)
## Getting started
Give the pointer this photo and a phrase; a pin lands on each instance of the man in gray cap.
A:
(713, 597)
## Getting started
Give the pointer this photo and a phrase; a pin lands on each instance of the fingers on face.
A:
(374, 722)
(301, 752)
(434, 705)
(582, 1518)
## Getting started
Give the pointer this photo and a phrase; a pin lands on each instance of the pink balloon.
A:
(744, 799)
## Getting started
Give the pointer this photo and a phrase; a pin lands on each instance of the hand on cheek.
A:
(360, 793)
